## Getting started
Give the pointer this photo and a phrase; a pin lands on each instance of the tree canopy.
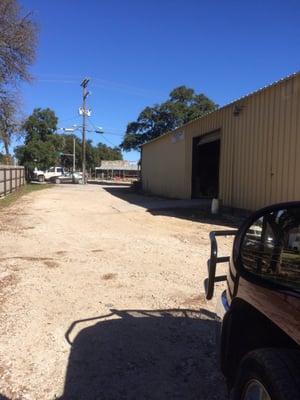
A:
(41, 124)
(43, 147)
(182, 106)
(18, 34)
(18, 37)
(94, 154)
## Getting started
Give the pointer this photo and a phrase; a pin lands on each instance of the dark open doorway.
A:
(206, 160)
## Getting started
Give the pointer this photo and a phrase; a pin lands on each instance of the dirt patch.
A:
(7, 281)
(26, 258)
(51, 264)
(61, 252)
(109, 276)
(128, 320)
(194, 300)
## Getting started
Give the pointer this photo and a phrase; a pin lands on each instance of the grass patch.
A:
(11, 198)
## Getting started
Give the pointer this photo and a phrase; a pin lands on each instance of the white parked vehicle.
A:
(69, 177)
(52, 172)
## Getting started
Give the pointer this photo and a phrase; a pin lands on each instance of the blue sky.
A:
(137, 51)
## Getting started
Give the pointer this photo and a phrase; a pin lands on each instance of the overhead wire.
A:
(108, 132)
(102, 135)
(110, 142)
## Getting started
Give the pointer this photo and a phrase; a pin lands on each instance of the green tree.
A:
(182, 106)
(94, 154)
(104, 152)
(37, 153)
(41, 124)
(42, 146)
(67, 160)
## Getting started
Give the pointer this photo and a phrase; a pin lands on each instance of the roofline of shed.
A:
(275, 83)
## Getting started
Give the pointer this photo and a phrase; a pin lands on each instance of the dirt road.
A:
(101, 297)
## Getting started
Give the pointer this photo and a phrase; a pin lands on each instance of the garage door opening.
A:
(206, 161)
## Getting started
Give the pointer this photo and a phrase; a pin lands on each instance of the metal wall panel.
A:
(260, 149)
(163, 167)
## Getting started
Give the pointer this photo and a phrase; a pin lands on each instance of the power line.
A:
(97, 82)
(68, 119)
(107, 132)
(108, 141)
(115, 134)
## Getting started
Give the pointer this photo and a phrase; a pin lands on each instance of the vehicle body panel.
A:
(75, 177)
(260, 307)
(282, 308)
(49, 173)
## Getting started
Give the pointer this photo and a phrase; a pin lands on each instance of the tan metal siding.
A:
(163, 169)
(295, 145)
(260, 149)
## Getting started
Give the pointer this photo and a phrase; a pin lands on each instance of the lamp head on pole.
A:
(85, 82)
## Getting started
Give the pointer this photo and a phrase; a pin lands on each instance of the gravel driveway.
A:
(101, 297)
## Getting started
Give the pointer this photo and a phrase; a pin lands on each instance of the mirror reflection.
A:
(271, 247)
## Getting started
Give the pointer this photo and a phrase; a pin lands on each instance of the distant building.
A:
(118, 169)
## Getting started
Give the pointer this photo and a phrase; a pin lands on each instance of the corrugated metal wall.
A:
(163, 168)
(259, 161)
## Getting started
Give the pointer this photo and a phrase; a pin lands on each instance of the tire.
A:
(275, 370)
(41, 178)
(57, 181)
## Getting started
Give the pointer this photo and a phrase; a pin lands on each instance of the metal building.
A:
(117, 169)
(245, 153)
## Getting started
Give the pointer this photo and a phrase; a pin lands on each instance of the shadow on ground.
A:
(144, 354)
(193, 210)
(108, 183)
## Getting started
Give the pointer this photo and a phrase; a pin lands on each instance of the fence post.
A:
(4, 170)
(10, 180)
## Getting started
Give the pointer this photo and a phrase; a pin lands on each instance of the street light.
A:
(99, 130)
(68, 129)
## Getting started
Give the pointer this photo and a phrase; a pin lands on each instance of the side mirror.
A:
(209, 283)
(267, 247)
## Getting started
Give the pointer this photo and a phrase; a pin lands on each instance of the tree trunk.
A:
(6, 146)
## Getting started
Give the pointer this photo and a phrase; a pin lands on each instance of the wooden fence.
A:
(11, 178)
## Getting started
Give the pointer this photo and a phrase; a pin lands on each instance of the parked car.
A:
(260, 335)
(52, 172)
(69, 177)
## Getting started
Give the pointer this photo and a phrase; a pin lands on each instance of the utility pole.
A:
(85, 112)
(74, 143)
(74, 156)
